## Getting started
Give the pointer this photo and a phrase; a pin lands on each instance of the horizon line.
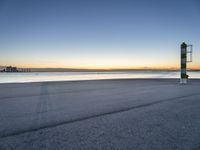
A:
(62, 69)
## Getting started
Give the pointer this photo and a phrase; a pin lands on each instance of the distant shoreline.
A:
(99, 70)
(90, 70)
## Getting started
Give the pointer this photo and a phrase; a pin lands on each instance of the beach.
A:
(122, 114)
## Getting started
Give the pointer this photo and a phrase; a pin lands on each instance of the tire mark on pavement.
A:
(45, 126)
(53, 93)
(40, 118)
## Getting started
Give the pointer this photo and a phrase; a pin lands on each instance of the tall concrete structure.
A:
(184, 51)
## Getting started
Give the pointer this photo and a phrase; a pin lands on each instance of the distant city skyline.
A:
(98, 34)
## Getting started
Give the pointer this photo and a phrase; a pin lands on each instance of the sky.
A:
(98, 34)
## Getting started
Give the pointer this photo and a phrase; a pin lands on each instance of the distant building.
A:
(11, 69)
(15, 69)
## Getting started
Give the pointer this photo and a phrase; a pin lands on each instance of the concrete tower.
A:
(184, 51)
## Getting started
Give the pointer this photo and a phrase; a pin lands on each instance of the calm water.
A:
(69, 76)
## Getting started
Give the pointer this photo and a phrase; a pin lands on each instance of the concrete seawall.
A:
(100, 114)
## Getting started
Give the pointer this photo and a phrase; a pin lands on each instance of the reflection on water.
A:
(69, 76)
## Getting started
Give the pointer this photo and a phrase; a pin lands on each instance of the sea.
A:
(21, 77)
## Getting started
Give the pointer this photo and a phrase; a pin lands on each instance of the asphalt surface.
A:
(132, 114)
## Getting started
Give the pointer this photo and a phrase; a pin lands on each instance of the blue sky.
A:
(98, 33)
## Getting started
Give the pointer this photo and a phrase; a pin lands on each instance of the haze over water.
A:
(73, 76)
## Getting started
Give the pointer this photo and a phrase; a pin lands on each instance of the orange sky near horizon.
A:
(98, 64)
